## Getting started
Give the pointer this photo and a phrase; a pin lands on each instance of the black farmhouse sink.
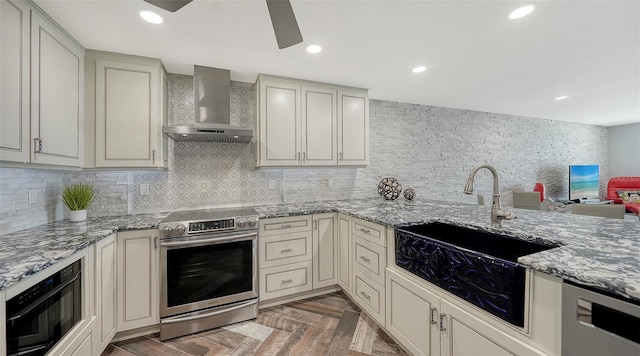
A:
(478, 266)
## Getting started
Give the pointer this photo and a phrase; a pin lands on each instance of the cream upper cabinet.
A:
(280, 136)
(353, 128)
(14, 71)
(126, 107)
(299, 124)
(57, 95)
(319, 126)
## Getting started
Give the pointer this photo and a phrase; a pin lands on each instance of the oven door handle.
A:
(179, 319)
(26, 310)
(211, 241)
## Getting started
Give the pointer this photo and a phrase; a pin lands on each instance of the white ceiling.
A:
(477, 58)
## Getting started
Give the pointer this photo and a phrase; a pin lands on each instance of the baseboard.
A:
(303, 295)
(130, 334)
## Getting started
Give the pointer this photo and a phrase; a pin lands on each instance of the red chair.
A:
(623, 183)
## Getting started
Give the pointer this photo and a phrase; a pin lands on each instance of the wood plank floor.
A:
(326, 325)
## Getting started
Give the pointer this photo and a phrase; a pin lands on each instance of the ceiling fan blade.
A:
(284, 23)
(169, 5)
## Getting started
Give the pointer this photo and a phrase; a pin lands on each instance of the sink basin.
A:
(478, 266)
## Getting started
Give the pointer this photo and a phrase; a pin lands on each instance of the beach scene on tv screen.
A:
(585, 182)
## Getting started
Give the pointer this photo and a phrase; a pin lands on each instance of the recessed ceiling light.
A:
(151, 17)
(419, 69)
(521, 12)
(314, 49)
(561, 97)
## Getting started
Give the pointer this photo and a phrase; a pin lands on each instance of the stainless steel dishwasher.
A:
(598, 324)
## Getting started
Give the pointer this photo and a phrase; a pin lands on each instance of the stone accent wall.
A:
(430, 149)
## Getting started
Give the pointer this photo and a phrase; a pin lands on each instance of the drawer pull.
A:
(443, 317)
(367, 260)
(285, 281)
(285, 226)
(366, 295)
(285, 250)
(432, 317)
(366, 231)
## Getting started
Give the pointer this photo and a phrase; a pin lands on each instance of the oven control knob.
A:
(241, 222)
(180, 229)
(167, 230)
(252, 222)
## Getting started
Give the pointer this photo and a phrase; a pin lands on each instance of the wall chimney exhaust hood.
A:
(211, 101)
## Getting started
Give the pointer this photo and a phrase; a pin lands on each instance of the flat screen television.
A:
(584, 182)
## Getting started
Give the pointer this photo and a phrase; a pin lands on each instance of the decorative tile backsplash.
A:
(430, 149)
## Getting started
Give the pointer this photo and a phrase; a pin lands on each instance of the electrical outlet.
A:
(144, 189)
(272, 184)
(33, 196)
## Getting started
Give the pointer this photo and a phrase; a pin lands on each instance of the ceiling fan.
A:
(283, 19)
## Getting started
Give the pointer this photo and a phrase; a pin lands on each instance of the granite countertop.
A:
(26, 252)
(598, 252)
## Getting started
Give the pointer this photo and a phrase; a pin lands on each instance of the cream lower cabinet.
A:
(343, 253)
(126, 108)
(324, 250)
(426, 324)
(138, 279)
(105, 282)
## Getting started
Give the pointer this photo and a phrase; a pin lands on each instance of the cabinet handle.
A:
(443, 317)
(285, 281)
(366, 231)
(153, 155)
(315, 224)
(432, 317)
(365, 295)
(285, 226)
(304, 156)
(298, 156)
(284, 250)
(365, 259)
(155, 242)
(339, 156)
(37, 145)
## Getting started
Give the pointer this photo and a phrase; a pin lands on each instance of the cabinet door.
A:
(164, 107)
(85, 348)
(127, 114)
(57, 95)
(319, 126)
(353, 128)
(280, 141)
(14, 71)
(344, 253)
(464, 334)
(138, 279)
(105, 292)
(324, 245)
(412, 315)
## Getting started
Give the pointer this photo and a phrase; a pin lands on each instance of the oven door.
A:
(207, 271)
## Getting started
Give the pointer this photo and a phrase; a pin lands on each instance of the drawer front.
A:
(285, 280)
(278, 250)
(369, 231)
(290, 224)
(370, 296)
(370, 259)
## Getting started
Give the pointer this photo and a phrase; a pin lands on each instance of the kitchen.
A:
(450, 144)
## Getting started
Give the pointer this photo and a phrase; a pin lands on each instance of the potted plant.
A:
(77, 198)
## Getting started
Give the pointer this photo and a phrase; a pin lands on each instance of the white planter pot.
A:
(77, 215)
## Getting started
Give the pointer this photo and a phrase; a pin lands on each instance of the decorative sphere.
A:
(409, 193)
(389, 188)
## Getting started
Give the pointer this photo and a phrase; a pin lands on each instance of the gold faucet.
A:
(497, 214)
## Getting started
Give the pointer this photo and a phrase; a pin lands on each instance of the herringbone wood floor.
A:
(327, 325)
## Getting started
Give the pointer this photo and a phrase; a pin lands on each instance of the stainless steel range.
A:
(209, 270)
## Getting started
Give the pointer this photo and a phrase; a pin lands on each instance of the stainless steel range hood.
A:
(211, 99)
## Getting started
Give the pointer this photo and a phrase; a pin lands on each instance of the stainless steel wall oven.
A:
(42, 315)
(208, 261)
